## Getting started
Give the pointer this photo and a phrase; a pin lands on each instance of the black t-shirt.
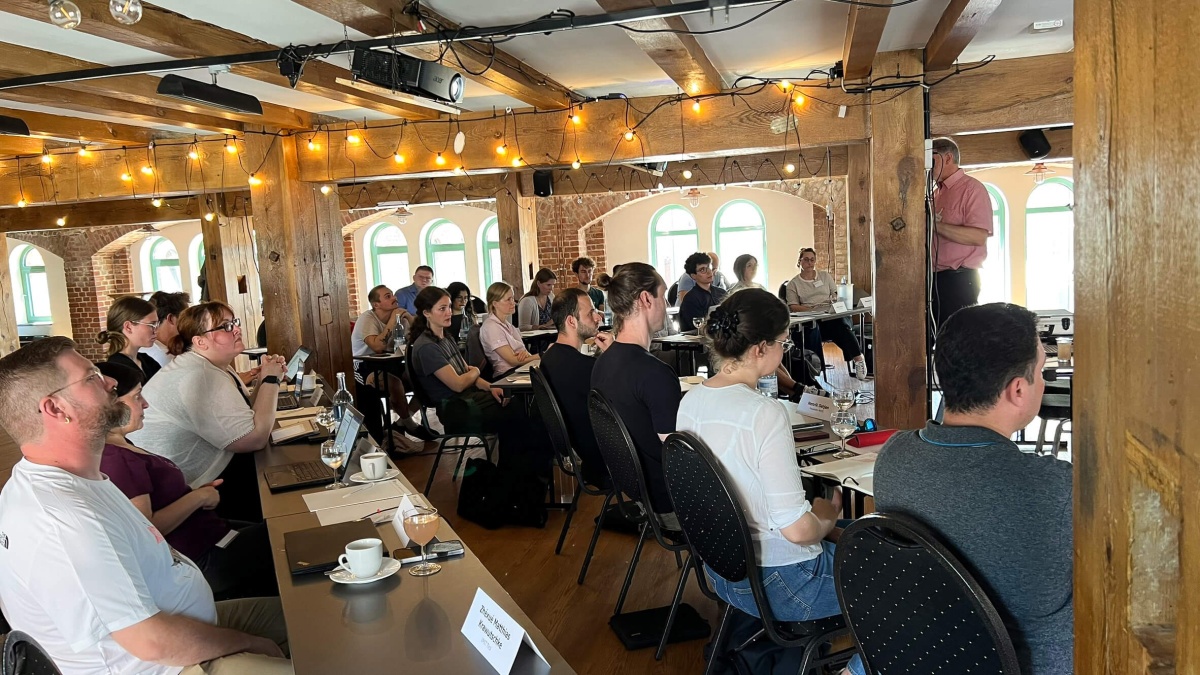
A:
(645, 393)
(145, 363)
(570, 375)
(696, 303)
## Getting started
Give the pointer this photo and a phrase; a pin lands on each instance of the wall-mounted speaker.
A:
(543, 183)
(1034, 143)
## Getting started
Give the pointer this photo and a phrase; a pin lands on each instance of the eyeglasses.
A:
(228, 326)
(787, 344)
(94, 375)
(152, 324)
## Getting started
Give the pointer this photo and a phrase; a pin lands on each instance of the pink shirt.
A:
(961, 200)
(494, 334)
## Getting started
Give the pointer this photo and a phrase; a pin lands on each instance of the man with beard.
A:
(81, 569)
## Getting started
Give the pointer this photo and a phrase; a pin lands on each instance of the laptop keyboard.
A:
(314, 470)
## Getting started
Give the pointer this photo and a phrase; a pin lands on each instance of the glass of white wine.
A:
(843, 399)
(844, 424)
(421, 524)
(331, 455)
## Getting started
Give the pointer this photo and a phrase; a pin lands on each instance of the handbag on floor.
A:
(492, 498)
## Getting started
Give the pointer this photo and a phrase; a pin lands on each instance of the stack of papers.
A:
(290, 430)
(352, 503)
(855, 472)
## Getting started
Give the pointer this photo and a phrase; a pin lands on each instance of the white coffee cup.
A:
(374, 465)
(363, 557)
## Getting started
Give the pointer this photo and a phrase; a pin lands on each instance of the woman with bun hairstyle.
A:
(131, 325)
(751, 436)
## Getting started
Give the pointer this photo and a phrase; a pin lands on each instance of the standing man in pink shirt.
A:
(962, 225)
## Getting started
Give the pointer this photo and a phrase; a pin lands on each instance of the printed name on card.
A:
(495, 634)
(820, 407)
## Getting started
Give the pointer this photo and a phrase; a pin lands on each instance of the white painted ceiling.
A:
(788, 41)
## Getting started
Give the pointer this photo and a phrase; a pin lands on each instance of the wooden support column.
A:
(230, 272)
(898, 202)
(8, 312)
(858, 197)
(517, 221)
(300, 258)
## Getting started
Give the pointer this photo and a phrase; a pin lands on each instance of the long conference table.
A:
(402, 623)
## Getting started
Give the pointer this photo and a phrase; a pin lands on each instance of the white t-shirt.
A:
(196, 410)
(366, 324)
(79, 562)
(804, 292)
(751, 436)
(158, 352)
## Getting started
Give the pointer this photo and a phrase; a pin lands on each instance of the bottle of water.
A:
(768, 385)
(398, 338)
(342, 399)
(702, 372)
(465, 326)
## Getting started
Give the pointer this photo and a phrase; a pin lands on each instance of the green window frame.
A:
(719, 228)
(431, 250)
(157, 263)
(26, 270)
(489, 242)
(674, 268)
(1031, 240)
(1000, 237)
(377, 250)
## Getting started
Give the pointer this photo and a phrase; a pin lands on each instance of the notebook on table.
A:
(310, 473)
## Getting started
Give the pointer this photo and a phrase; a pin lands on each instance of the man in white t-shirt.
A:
(81, 569)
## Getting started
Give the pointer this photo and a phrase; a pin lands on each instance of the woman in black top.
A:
(132, 325)
(460, 304)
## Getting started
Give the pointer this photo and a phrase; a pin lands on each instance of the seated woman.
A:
(234, 557)
(132, 325)
(502, 343)
(745, 266)
(460, 303)
(813, 291)
(751, 437)
(200, 414)
(534, 310)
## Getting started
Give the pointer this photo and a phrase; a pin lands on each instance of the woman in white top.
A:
(744, 268)
(813, 291)
(502, 344)
(751, 437)
(534, 311)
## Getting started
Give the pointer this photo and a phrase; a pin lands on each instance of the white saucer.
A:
(387, 475)
(343, 576)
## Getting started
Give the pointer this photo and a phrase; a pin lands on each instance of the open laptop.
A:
(312, 473)
(289, 400)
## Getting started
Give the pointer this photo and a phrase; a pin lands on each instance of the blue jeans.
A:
(804, 591)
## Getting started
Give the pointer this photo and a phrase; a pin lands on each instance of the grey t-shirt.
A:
(1007, 516)
(366, 324)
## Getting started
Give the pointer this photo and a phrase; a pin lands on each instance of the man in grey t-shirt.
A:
(1006, 514)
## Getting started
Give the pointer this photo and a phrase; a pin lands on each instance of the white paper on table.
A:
(857, 472)
(349, 496)
(292, 431)
(293, 421)
(406, 503)
(345, 514)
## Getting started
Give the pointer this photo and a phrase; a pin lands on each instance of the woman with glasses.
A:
(813, 291)
(132, 325)
(751, 437)
(201, 416)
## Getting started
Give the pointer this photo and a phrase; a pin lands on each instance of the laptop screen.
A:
(296, 364)
(347, 434)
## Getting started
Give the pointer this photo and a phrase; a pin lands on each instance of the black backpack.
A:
(492, 497)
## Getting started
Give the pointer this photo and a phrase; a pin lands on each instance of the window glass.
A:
(446, 253)
(388, 250)
(32, 302)
(164, 266)
(673, 237)
(741, 228)
(490, 252)
(1049, 246)
(993, 276)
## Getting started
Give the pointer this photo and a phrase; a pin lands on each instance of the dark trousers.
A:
(239, 492)
(245, 568)
(524, 444)
(953, 290)
(837, 331)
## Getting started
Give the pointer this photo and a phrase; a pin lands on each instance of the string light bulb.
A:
(193, 154)
(312, 146)
(575, 119)
(502, 149)
(353, 138)
(459, 170)
(156, 202)
(65, 14)
(785, 85)
(231, 147)
(127, 12)
(325, 189)
(46, 157)
(255, 180)
(126, 177)
(22, 203)
(576, 164)
(147, 170)
(629, 135)
(439, 160)
(518, 161)
(789, 167)
(799, 99)
(687, 174)
(398, 158)
(210, 216)
(61, 221)
(83, 151)
(695, 106)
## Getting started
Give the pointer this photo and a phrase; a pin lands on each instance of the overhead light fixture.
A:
(692, 196)
(210, 95)
(65, 14)
(403, 214)
(126, 12)
(13, 126)
(1039, 173)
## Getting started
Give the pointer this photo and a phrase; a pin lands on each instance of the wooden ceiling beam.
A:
(105, 213)
(75, 129)
(66, 99)
(678, 54)
(505, 74)
(959, 24)
(178, 36)
(1002, 147)
(864, 29)
(1030, 93)
(20, 145)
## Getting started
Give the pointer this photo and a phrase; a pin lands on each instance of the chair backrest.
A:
(912, 606)
(617, 449)
(673, 294)
(475, 355)
(24, 656)
(556, 425)
(783, 291)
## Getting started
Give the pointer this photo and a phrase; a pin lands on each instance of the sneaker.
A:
(406, 445)
(860, 368)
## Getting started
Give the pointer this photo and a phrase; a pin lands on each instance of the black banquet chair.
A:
(24, 656)
(714, 523)
(912, 606)
(568, 462)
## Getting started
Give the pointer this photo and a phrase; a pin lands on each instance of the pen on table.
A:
(378, 511)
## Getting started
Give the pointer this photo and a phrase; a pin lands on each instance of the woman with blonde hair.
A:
(502, 343)
(131, 325)
(534, 310)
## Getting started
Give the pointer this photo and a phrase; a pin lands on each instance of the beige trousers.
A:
(257, 616)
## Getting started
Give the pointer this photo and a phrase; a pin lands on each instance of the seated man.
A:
(422, 279)
(584, 270)
(569, 373)
(695, 305)
(642, 390)
(1005, 513)
(82, 571)
(686, 283)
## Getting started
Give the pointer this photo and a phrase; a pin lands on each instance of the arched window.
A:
(489, 253)
(164, 266)
(29, 269)
(1049, 250)
(993, 275)
(196, 255)
(673, 238)
(388, 250)
(741, 228)
(446, 252)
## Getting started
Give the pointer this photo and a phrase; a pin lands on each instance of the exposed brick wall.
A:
(570, 227)
(351, 272)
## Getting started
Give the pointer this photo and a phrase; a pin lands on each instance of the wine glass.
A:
(327, 420)
(843, 399)
(421, 524)
(697, 322)
(331, 455)
(844, 424)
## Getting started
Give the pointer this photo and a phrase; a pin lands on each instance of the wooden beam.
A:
(104, 213)
(229, 268)
(516, 219)
(9, 340)
(1029, 93)
(864, 29)
(172, 34)
(858, 198)
(57, 127)
(65, 99)
(761, 121)
(678, 54)
(898, 202)
(954, 31)
(1002, 147)
(20, 145)
(503, 74)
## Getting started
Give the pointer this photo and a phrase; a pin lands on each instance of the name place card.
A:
(498, 637)
(839, 307)
(820, 407)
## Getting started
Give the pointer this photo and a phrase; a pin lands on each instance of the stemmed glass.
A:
(331, 455)
(421, 524)
(844, 424)
(697, 322)
(327, 420)
(843, 399)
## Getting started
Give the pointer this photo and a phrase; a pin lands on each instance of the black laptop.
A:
(317, 548)
(311, 473)
(290, 400)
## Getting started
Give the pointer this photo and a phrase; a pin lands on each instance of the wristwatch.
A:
(270, 379)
